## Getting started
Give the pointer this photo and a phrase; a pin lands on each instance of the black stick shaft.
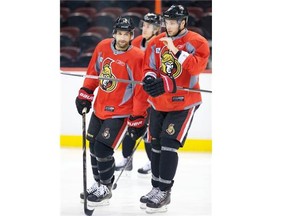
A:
(129, 159)
(133, 82)
(105, 78)
(84, 157)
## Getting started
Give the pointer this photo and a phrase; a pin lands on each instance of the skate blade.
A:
(142, 175)
(143, 206)
(97, 204)
(156, 210)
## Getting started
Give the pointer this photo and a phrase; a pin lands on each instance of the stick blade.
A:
(88, 212)
(114, 186)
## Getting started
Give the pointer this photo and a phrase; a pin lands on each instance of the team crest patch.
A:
(107, 85)
(106, 133)
(169, 64)
(170, 130)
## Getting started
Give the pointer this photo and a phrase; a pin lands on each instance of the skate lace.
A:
(159, 197)
(152, 193)
(102, 190)
(93, 188)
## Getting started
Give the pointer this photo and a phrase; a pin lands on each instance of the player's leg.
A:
(93, 129)
(175, 128)
(109, 137)
(127, 148)
(155, 127)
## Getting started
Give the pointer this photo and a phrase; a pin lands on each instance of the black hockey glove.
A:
(84, 99)
(136, 126)
(156, 87)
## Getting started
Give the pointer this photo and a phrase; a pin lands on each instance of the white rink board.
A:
(71, 120)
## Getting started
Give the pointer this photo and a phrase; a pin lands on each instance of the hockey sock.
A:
(94, 162)
(168, 163)
(148, 150)
(106, 163)
(155, 159)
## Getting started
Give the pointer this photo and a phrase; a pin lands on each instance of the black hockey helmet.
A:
(177, 12)
(123, 23)
(152, 18)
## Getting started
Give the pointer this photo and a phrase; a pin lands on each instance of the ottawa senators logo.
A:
(107, 85)
(170, 130)
(106, 133)
(169, 64)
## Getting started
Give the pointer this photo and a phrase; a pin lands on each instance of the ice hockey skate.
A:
(145, 170)
(119, 166)
(100, 197)
(144, 199)
(89, 191)
(159, 202)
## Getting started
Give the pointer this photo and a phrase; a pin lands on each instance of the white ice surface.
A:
(191, 193)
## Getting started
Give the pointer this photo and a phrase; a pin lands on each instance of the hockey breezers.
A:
(132, 82)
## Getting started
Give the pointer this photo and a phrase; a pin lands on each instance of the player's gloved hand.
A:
(156, 87)
(136, 126)
(84, 99)
(147, 81)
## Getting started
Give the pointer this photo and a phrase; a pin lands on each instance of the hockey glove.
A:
(136, 126)
(160, 86)
(84, 99)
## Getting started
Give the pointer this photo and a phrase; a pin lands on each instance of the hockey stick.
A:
(132, 82)
(103, 78)
(128, 161)
(86, 210)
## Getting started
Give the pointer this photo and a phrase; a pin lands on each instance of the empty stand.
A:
(140, 10)
(84, 23)
(90, 11)
(68, 56)
(105, 19)
(206, 24)
(137, 17)
(69, 35)
(197, 11)
(80, 20)
(84, 59)
(102, 30)
(89, 39)
(117, 11)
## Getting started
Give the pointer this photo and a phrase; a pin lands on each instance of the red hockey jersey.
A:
(117, 99)
(137, 42)
(159, 61)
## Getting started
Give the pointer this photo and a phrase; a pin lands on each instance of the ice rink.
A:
(191, 193)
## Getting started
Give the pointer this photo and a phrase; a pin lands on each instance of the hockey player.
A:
(173, 58)
(115, 105)
(150, 26)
